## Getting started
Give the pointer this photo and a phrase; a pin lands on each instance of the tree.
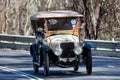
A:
(102, 16)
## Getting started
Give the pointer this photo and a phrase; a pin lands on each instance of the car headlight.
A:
(78, 50)
(58, 51)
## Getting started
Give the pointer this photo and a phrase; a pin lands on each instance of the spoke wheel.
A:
(46, 64)
(76, 67)
(88, 61)
(35, 67)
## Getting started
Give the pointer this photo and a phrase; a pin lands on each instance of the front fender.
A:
(45, 47)
(33, 49)
(88, 45)
(87, 49)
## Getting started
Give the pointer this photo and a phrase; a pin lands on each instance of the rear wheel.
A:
(76, 67)
(88, 62)
(46, 64)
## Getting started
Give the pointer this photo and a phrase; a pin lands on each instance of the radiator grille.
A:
(67, 50)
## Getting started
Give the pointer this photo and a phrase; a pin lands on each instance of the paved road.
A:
(17, 65)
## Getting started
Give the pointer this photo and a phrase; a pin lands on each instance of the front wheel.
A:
(33, 52)
(35, 67)
(88, 62)
(46, 64)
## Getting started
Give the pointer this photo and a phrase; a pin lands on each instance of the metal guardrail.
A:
(105, 48)
(100, 47)
(16, 41)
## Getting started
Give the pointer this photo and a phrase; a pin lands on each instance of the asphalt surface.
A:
(17, 65)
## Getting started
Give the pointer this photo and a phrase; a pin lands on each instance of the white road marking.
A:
(102, 77)
(106, 57)
(110, 66)
(31, 77)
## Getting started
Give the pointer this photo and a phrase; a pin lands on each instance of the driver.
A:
(67, 25)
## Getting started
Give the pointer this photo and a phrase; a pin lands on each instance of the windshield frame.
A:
(55, 24)
(63, 31)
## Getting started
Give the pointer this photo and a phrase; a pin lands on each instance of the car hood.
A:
(55, 40)
(63, 38)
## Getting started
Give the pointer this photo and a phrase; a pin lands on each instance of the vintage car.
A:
(59, 40)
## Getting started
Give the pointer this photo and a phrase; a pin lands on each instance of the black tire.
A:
(35, 67)
(88, 62)
(46, 64)
(40, 57)
(76, 67)
(31, 52)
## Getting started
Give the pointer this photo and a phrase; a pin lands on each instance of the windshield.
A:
(60, 24)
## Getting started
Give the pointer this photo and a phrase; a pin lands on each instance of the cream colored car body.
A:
(56, 40)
